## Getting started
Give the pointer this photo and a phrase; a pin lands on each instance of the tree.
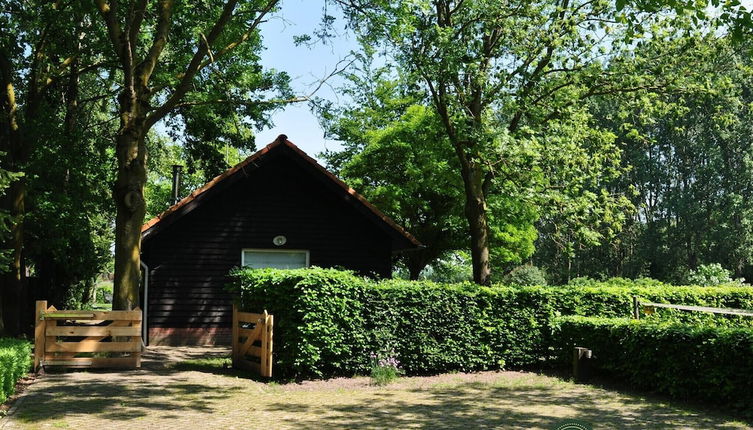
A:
(396, 155)
(689, 155)
(501, 77)
(211, 63)
(42, 52)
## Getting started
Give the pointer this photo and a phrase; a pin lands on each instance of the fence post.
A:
(636, 308)
(270, 335)
(40, 326)
(234, 334)
(264, 339)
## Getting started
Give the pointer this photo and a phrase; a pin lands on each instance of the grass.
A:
(210, 365)
(203, 391)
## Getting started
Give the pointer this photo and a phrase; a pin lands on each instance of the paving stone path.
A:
(162, 396)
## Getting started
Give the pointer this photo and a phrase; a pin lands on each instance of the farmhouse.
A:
(278, 208)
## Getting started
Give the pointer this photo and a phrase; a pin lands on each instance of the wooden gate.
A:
(76, 338)
(252, 342)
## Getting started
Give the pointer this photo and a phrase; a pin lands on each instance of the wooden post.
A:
(137, 355)
(268, 349)
(636, 308)
(581, 364)
(263, 357)
(234, 334)
(40, 326)
(265, 367)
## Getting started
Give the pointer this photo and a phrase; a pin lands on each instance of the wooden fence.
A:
(252, 342)
(649, 308)
(76, 338)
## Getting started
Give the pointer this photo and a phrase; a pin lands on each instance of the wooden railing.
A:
(79, 338)
(252, 342)
(649, 308)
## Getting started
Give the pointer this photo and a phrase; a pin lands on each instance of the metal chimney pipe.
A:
(176, 182)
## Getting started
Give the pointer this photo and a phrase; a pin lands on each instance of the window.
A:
(274, 258)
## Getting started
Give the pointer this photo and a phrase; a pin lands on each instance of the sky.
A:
(306, 66)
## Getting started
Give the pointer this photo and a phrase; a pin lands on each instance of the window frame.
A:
(274, 250)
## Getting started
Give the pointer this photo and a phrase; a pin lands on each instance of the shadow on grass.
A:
(221, 365)
(614, 385)
(485, 406)
(110, 399)
(158, 390)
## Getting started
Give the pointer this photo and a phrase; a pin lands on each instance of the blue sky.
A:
(306, 66)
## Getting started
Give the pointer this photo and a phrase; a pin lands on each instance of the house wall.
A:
(189, 259)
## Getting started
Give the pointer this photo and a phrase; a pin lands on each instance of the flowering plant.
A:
(384, 369)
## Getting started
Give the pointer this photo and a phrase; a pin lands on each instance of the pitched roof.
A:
(282, 140)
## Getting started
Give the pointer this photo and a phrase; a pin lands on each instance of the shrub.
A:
(328, 321)
(707, 363)
(525, 276)
(711, 274)
(15, 362)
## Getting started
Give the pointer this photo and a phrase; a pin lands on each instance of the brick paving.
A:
(163, 397)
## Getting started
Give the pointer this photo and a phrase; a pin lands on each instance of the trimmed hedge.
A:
(708, 363)
(327, 322)
(15, 362)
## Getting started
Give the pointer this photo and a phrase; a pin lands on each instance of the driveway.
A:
(188, 388)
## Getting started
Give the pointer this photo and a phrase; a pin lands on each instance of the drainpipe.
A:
(144, 332)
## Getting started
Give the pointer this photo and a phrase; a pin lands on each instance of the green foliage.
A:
(509, 83)
(450, 268)
(526, 276)
(710, 274)
(395, 154)
(15, 362)
(103, 292)
(703, 362)
(327, 322)
(6, 219)
(688, 156)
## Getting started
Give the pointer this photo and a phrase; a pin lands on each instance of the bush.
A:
(708, 363)
(526, 276)
(15, 362)
(711, 274)
(328, 321)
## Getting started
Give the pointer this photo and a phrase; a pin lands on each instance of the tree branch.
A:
(146, 67)
(195, 64)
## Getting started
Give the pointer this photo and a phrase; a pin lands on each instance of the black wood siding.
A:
(189, 259)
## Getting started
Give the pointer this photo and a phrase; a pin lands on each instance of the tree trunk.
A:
(415, 267)
(130, 207)
(478, 221)
(128, 194)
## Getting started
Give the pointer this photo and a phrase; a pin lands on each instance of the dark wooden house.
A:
(278, 208)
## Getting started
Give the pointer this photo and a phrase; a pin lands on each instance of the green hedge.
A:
(327, 322)
(15, 362)
(709, 363)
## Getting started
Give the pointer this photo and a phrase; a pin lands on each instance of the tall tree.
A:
(502, 77)
(689, 156)
(397, 156)
(39, 48)
(395, 152)
(171, 60)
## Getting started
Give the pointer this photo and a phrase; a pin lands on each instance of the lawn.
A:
(188, 388)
